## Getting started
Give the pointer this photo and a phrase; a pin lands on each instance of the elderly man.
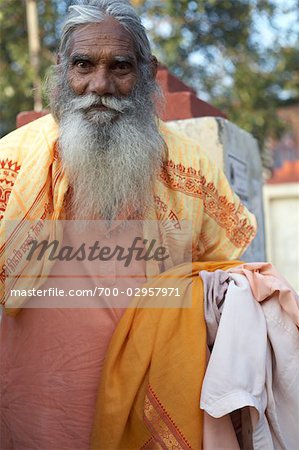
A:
(102, 154)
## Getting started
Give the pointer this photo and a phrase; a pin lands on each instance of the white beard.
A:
(111, 164)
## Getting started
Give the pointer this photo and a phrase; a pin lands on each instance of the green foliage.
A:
(15, 82)
(16, 73)
(215, 46)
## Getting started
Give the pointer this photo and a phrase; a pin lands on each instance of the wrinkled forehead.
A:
(108, 34)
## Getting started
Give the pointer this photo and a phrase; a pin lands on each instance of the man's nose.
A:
(101, 83)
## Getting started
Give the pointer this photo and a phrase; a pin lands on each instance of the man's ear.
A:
(154, 66)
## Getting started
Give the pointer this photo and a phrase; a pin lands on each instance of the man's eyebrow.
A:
(126, 58)
(80, 57)
(117, 58)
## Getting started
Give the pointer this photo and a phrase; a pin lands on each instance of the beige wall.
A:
(281, 204)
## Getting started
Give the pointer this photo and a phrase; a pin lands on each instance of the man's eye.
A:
(122, 66)
(82, 65)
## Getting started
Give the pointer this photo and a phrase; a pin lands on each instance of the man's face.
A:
(102, 61)
(109, 142)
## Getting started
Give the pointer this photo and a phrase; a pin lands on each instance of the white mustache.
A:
(93, 100)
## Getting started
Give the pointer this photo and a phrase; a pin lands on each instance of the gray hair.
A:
(95, 11)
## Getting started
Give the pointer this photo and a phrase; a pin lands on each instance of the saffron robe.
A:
(189, 187)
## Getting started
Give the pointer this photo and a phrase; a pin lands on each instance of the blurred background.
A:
(241, 56)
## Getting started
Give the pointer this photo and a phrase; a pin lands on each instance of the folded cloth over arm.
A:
(255, 355)
(235, 374)
(265, 281)
(215, 287)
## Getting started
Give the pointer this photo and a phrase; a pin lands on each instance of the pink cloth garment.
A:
(49, 375)
(51, 358)
(265, 281)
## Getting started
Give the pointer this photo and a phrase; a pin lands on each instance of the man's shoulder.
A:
(182, 149)
(44, 127)
(173, 136)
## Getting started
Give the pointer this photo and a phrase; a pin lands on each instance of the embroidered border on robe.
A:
(161, 425)
(151, 444)
(192, 183)
(8, 174)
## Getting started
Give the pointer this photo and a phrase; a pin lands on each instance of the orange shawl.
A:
(150, 387)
